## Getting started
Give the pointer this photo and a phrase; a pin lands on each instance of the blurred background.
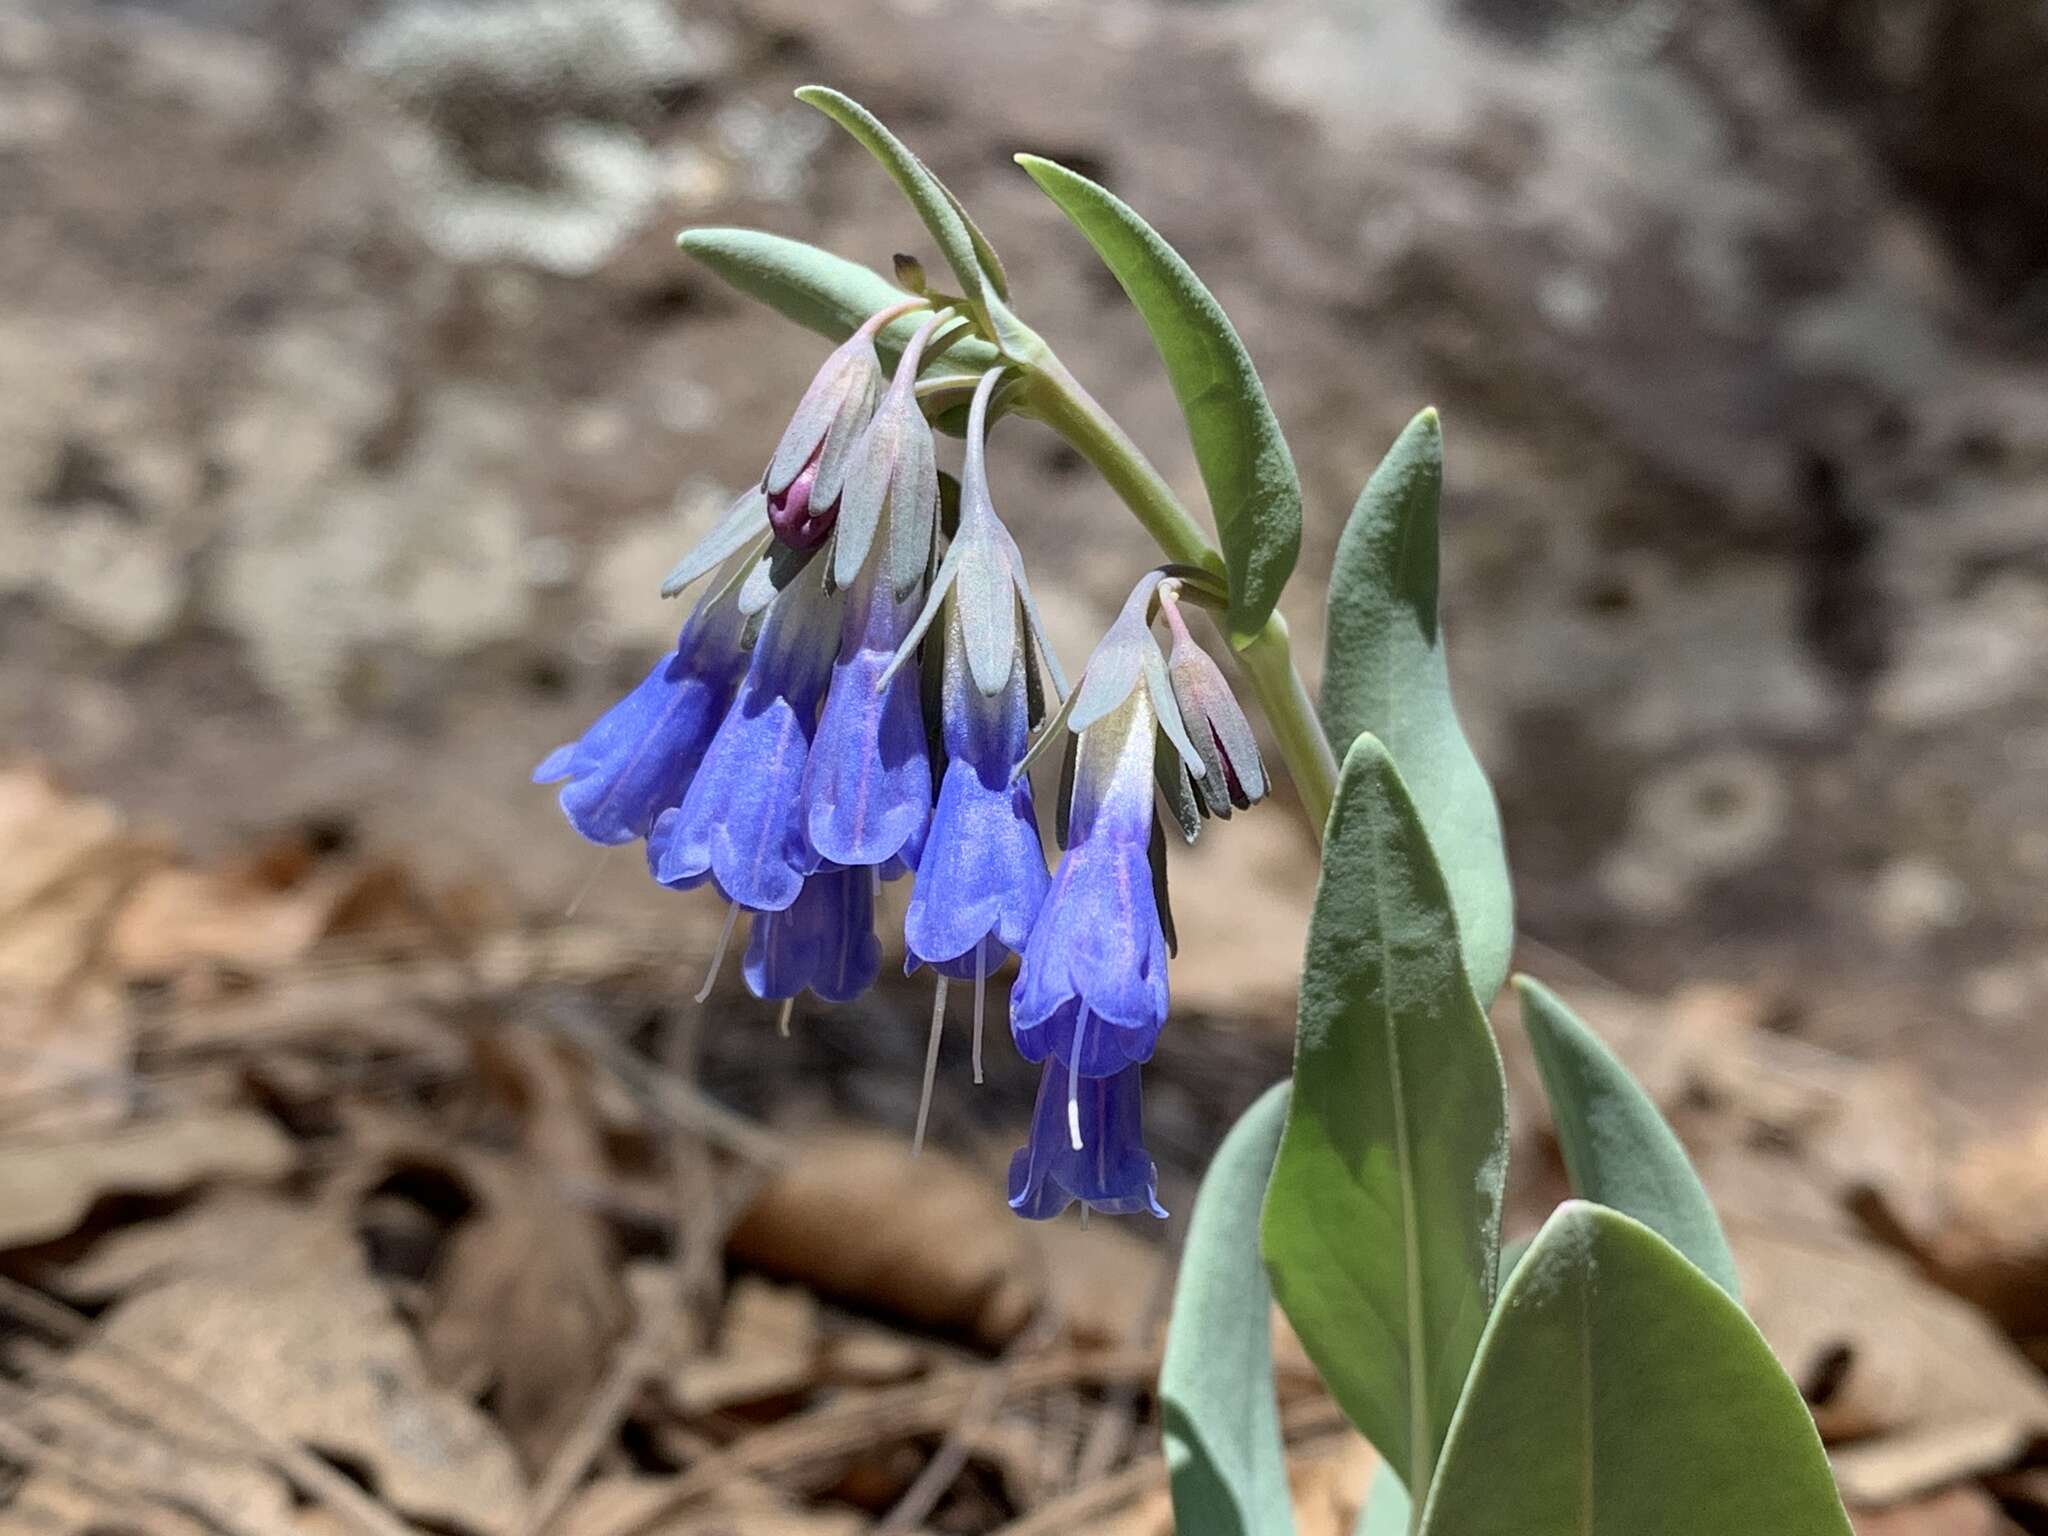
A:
(353, 401)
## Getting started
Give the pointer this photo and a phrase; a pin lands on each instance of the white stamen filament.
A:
(931, 1069)
(782, 1018)
(732, 916)
(1074, 1083)
(980, 1002)
(589, 880)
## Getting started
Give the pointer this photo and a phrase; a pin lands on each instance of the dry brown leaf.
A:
(1877, 1349)
(256, 913)
(767, 1347)
(527, 1303)
(857, 1219)
(284, 1326)
(616, 1503)
(1955, 1512)
(1990, 1240)
(64, 1059)
(1914, 1463)
(51, 1183)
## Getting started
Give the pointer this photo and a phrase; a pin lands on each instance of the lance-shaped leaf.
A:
(1383, 671)
(1253, 492)
(1387, 1510)
(1617, 1148)
(1382, 1226)
(958, 240)
(1620, 1392)
(820, 291)
(1224, 1455)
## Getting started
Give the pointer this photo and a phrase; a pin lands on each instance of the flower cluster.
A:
(846, 705)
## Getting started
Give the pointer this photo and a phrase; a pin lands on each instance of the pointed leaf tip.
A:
(1385, 670)
(1618, 1150)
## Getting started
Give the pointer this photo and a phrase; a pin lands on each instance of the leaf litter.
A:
(337, 1203)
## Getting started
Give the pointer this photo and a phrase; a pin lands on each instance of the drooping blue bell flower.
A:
(824, 940)
(741, 823)
(983, 878)
(1087, 1144)
(868, 789)
(637, 760)
(1092, 990)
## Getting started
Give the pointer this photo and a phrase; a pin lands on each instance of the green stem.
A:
(1056, 397)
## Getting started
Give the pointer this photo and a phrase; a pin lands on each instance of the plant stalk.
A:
(1056, 397)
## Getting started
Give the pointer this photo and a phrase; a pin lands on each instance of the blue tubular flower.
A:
(824, 940)
(982, 878)
(1086, 1144)
(639, 757)
(867, 790)
(1092, 991)
(740, 823)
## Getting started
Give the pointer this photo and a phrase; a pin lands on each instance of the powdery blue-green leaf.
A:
(1386, 1511)
(1382, 1225)
(1617, 1148)
(1383, 671)
(958, 240)
(1254, 494)
(1224, 1454)
(820, 291)
(1619, 1392)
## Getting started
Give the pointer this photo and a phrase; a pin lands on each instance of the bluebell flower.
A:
(824, 940)
(638, 758)
(867, 790)
(1092, 991)
(1086, 1144)
(983, 877)
(740, 823)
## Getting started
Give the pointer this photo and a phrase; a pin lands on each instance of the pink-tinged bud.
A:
(796, 522)
(1233, 772)
(805, 476)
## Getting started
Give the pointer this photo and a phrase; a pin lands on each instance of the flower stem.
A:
(1056, 397)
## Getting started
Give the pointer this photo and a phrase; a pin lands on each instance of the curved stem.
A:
(1056, 397)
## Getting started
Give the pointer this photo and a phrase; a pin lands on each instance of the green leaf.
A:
(1253, 492)
(959, 241)
(1383, 671)
(1387, 1510)
(1617, 1148)
(818, 290)
(1224, 1454)
(1382, 1226)
(1620, 1392)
